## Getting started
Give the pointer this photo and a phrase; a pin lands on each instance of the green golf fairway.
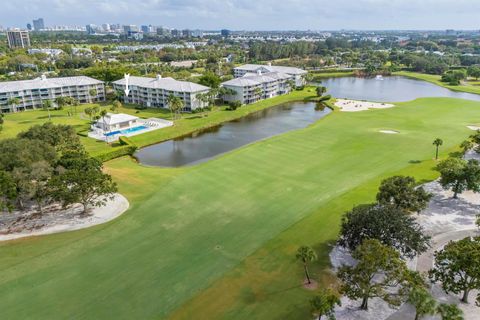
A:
(217, 240)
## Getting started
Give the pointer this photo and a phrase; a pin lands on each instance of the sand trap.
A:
(389, 131)
(354, 105)
(474, 128)
(444, 219)
(61, 220)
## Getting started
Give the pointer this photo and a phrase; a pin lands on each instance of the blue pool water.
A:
(126, 131)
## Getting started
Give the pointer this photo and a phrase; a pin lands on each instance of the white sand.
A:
(474, 128)
(71, 219)
(355, 105)
(388, 131)
(445, 219)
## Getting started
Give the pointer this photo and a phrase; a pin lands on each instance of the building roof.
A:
(47, 83)
(287, 70)
(114, 118)
(255, 79)
(169, 84)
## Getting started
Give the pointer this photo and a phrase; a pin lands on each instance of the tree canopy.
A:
(459, 175)
(402, 193)
(386, 223)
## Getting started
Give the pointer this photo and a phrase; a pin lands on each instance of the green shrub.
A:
(116, 153)
(234, 105)
(124, 141)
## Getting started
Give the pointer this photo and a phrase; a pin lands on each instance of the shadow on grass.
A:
(415, 161)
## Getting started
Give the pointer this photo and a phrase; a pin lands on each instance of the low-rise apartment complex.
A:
(295, 74)
(30, 94)
(251, 88)
(154, 92)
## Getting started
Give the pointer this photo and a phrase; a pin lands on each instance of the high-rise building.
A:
(128, 29)
(225, 33)
(145, 29)
(29, 27)
(18, 39)
(90, 28)
(38, 24)
(106, 27)
(186, 33)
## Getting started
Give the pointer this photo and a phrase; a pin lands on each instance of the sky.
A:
(251, 14)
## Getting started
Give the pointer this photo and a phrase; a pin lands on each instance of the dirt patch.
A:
(313, 285)
(20, 224)
(389, 131)
(355, 105)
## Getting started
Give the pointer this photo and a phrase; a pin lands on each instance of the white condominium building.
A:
(30, 94)
(296, 74)
(154, 92)
(251, 88)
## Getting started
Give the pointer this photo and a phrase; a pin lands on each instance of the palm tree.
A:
(60, 101)
(13, 102)
(321, 90)
(290, 84)
(437, 143)
(306, 254)
(175, 104)
(47, 104)
(89, 113)
(103, 113)
(92, 93)
(258, 92)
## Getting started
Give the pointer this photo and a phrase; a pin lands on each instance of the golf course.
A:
(217, 240)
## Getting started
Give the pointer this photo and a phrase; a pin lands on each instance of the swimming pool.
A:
(126, 131)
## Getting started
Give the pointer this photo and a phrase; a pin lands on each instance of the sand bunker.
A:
(389, 131)
(475, 128)
(18, 224)
(354, 105)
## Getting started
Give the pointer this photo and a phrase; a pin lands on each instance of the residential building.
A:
(154, 92)
(18, 39)
(32, 93)
(29, 27)
(251, 87)
(38, 24)
(47, 51)
(296, 74)
(91, 28)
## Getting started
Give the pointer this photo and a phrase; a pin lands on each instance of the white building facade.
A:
(251, 88)
(154, 92)
(30, 94)
(295, 74)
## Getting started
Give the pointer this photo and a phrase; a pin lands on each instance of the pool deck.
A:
(151, 124)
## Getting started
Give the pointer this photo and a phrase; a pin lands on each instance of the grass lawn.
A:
(471, 86)
(21, 121)
(217, 240)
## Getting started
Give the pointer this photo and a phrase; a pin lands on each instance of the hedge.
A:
(116, 153)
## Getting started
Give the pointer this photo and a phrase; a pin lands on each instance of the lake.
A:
(389, 89)
(206, 144)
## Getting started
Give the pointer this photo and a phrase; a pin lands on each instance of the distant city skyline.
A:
(251, 15)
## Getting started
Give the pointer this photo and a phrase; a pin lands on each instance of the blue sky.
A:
(251, 14)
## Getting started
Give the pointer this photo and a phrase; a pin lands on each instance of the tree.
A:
(13, 102)
(116, 105)
(466, 145)
(60, 137)
(423, 302)
(457, 267)
(363, 281)
(323, 304)
(1, 121)
(80, 179)
(175, 104)
(477, 220)
(437, 143)
(89, 112)
(449, 311)
(459, 175)
(92, 93)
(8, 191)
(258, 93)
(210, 79)
(47, 105)
(389, 225)
(474, 72)
(305, 255)
(103, 113)
(402, 193)
(321, 90)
